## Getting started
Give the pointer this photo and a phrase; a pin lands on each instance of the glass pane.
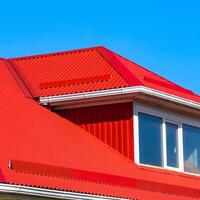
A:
(172, 147)
(191, 147)
(150, 146)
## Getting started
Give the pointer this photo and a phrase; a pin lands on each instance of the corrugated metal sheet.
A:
(68, 67)
(64, 172)
(79, 71)
(66, 145)
(154, 81)
(112, 124)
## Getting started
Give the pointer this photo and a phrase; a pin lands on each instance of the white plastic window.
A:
(167, 140)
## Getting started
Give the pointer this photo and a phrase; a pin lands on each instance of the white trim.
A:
(166, 116)
(120, 91)
(180, 139)
(135, 135)
(164, 143)
(170, 116)
(24, 190)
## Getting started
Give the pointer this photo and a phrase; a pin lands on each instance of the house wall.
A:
(112, 124)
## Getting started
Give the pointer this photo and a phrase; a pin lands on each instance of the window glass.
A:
(172, 144)
(150, 140)
(191, 148)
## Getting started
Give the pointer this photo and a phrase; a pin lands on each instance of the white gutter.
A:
(120, 91)
(23, 190)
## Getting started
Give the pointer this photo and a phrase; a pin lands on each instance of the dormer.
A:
(143, 116)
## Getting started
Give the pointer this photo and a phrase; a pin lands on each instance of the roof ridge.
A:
(109, 56)
(144, 68)
(54, 53)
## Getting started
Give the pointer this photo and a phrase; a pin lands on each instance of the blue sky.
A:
(163, 36)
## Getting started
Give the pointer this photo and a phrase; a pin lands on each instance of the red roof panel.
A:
(154, 81)
(87, 70)
(33, 134)
(75, 67)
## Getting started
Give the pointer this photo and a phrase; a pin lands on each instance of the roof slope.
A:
(68, 72)
(89, 69)
(154, 81)
(50, 152)
(32, 133)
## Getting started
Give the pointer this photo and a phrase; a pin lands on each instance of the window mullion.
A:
(164, 144)
(180, 148)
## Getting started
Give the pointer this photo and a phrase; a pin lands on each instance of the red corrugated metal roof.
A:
(154, 81)
(86, 70)
(33, 134)
(68, 72)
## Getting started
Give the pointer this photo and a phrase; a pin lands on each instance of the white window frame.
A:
(167, 116)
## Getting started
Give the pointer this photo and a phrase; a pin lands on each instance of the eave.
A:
(128, 93)
(40, 192)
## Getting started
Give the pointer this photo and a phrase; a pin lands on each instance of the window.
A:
(172, 144)
(167, 140)
(191, 147)
(150, 139)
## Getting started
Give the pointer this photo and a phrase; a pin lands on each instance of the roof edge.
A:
(52, 100)
(54, 53)
(160, 76)
(34, 191)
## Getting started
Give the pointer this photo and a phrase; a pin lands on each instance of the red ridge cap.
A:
(49, 170)
(111, 58)
(18, 79)
(168, 85)
(144, 68)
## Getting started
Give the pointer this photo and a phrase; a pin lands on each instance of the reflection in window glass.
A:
(150, 131)
(172, 147)
(191, 147)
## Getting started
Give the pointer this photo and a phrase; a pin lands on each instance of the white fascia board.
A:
(33, 191)
(85, 95)
(120, 91)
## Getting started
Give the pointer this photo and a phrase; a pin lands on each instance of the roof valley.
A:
(20, 81)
